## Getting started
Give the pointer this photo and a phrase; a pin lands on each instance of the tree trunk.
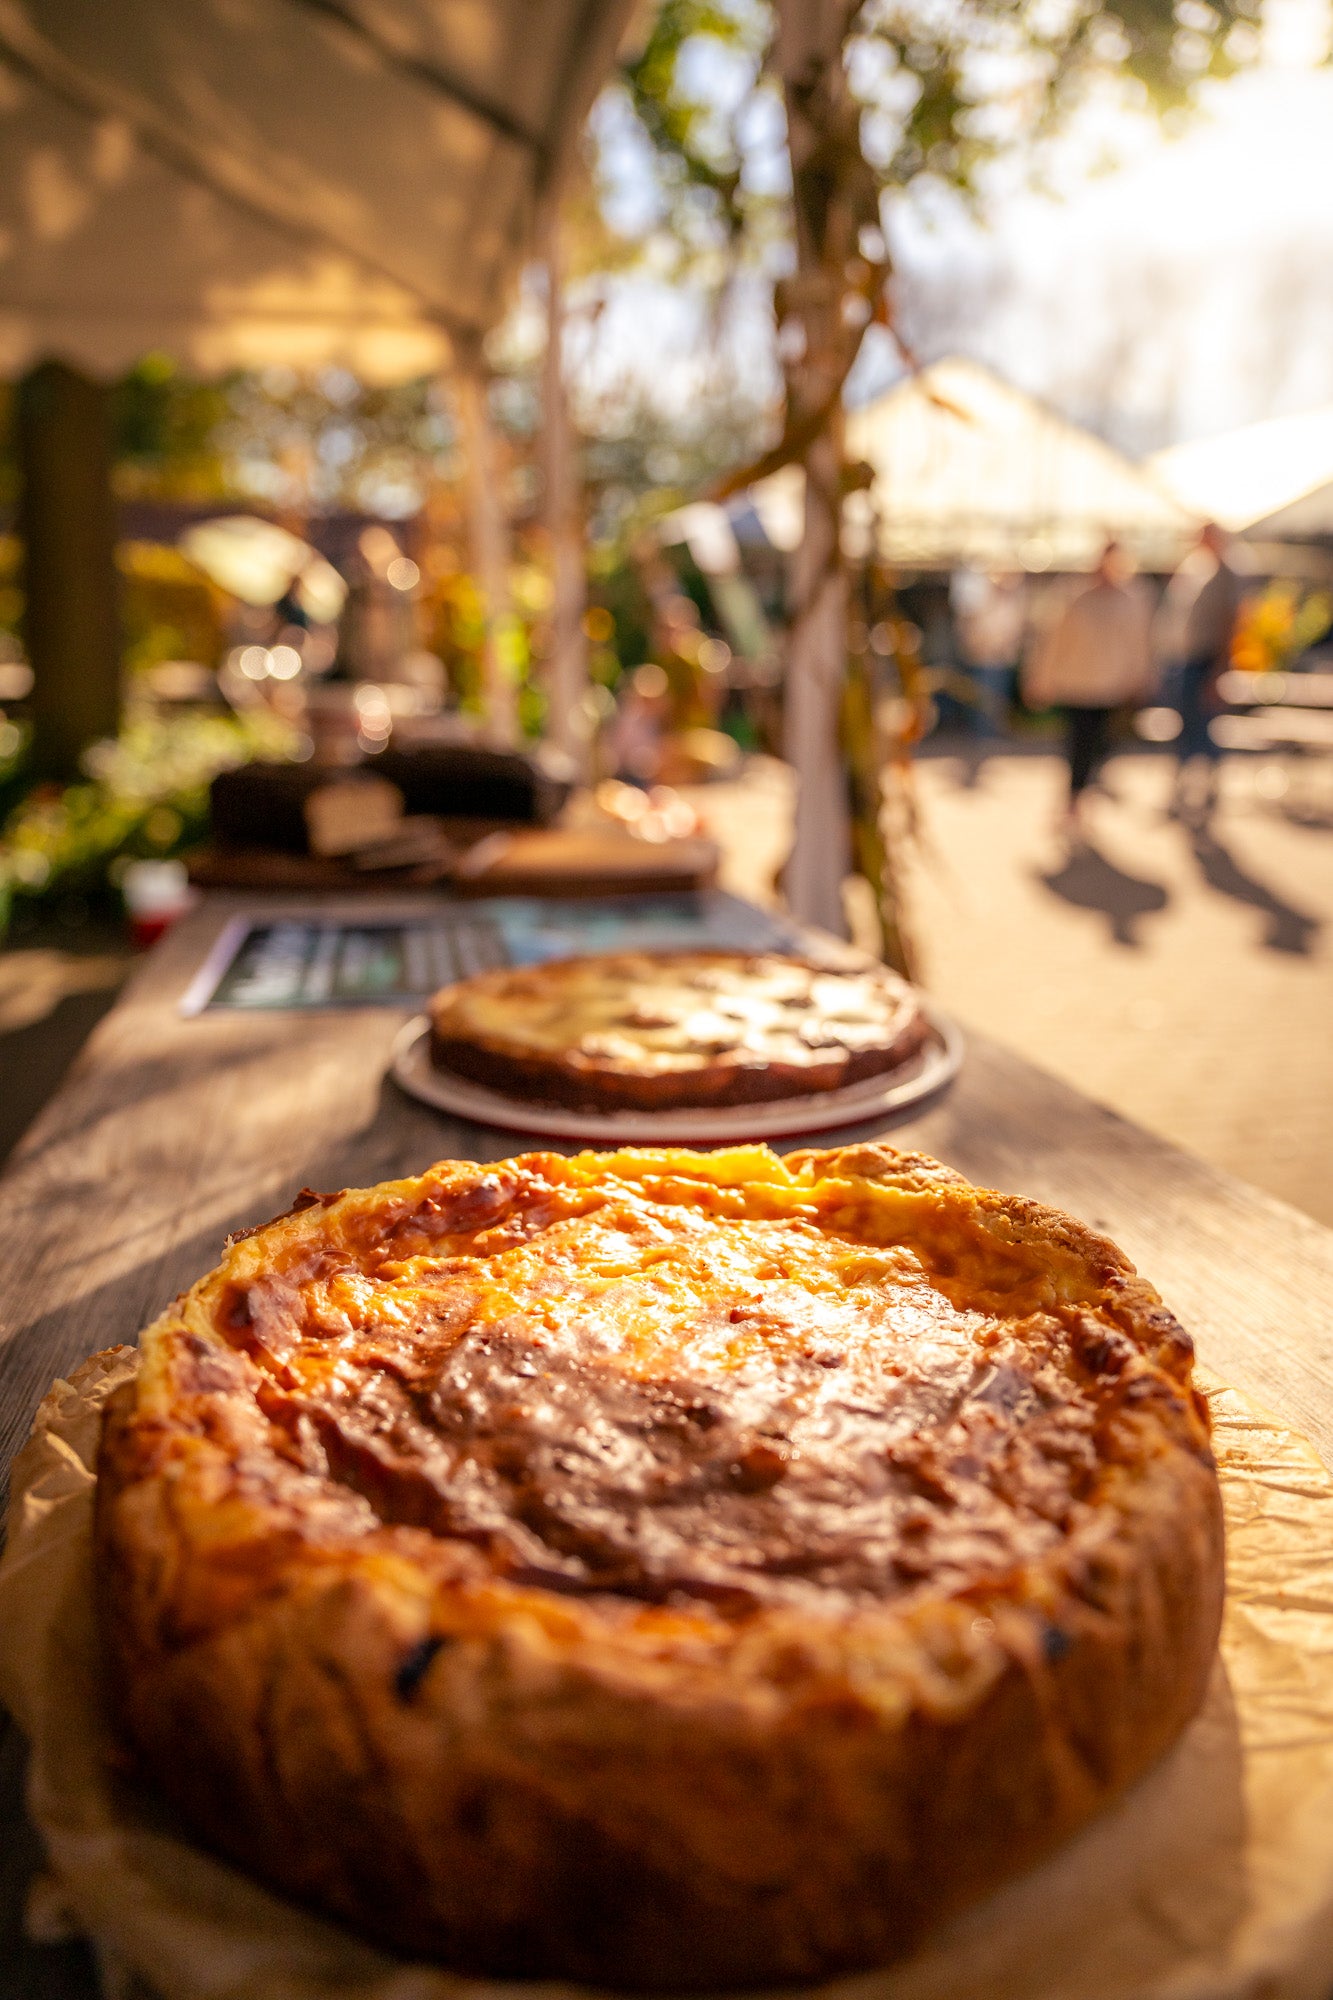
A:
(568, 720)
(808, 57)
(821, 854)
(67, 524)
(489, 536)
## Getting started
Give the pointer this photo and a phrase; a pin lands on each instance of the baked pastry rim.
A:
(925, 1659)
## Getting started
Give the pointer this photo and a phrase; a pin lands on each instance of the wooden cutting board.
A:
(491, 861)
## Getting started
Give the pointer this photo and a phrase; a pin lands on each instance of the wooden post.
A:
(567, 719)
(489, 535)
(67, 523)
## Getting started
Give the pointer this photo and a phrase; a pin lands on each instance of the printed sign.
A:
(313, 961)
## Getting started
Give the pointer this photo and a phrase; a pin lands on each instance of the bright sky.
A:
(1186, 291)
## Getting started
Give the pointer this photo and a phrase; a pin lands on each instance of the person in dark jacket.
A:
(1203, 604)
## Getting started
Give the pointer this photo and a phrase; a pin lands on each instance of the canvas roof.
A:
(969, 469)
(1244, 478)
(1309, 519)
(238, 182)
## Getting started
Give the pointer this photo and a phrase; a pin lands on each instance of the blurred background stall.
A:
(673, 440)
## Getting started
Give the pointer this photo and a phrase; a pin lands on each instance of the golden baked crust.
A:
(657, 1030)
(670, 1570)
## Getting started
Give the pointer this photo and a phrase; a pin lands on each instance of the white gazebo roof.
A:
(279, 180)
(970, 470)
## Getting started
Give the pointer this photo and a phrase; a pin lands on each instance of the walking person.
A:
(1094, 658)
(1202, 606)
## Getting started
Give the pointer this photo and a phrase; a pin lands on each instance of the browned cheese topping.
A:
(673, 1391)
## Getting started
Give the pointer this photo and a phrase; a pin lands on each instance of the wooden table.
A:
(168, 1134)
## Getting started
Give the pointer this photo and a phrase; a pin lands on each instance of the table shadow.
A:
(1090, 881)
(133, 1084)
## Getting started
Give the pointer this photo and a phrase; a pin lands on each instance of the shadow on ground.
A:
(968, 760)
(1288, 929)
(1089, 881)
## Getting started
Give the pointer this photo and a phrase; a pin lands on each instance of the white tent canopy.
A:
(241, 182)
(968, 469)
(1309, 519)
(106, 255)
(1241, 477)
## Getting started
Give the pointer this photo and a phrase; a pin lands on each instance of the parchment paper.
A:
(1213, 1880)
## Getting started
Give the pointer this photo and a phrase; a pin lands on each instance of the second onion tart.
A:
(671, 1030)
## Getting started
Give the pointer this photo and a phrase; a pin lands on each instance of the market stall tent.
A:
(247, 182)
(1308, 519)
(282, 180)
(968, 469)
(108, 254)
(1242, 478)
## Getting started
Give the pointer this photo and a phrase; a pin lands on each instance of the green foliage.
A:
(168, 609)
(11, 593)
(615, 586)
(640, 461)
(328, 441)
(700, 153)
(164, 433)
(146, 794)
(276, 437)
(944, 86)
(15, 739)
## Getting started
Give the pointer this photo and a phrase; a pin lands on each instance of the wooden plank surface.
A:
(170, 1133)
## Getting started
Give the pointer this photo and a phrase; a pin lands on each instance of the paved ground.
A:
(1183, 977)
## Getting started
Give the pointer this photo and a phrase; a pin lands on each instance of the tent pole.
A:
(489, 536)
(67, 524)
(567, 717)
